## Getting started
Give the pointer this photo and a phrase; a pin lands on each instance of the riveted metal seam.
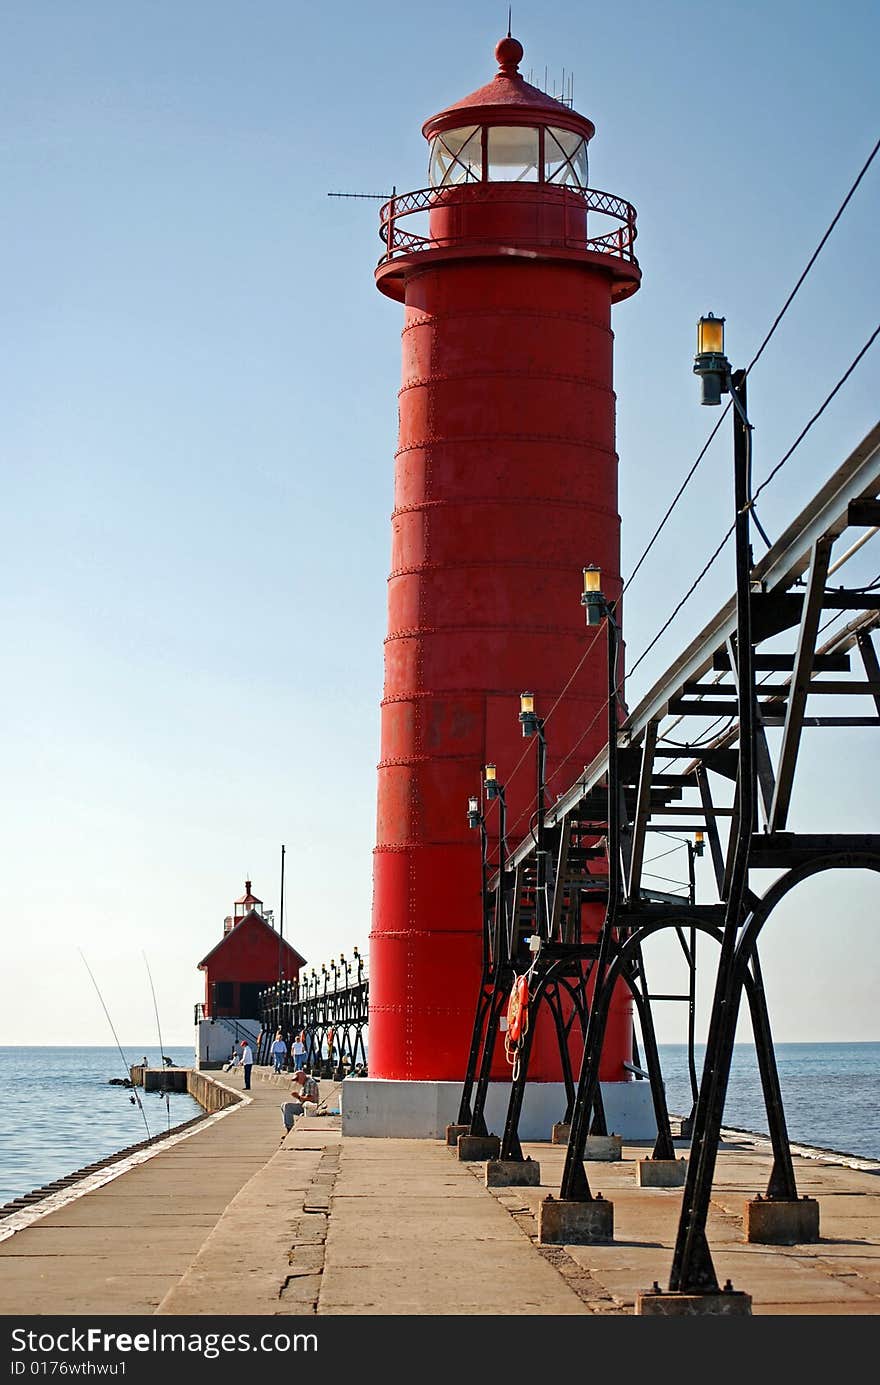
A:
(584, 443)
(514, 501)
(416, 631)
(445, 377)
(524, 315)
(453, 694)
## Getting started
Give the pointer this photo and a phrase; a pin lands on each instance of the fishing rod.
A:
(322, 1104)
(161, 1045)
(136, 1096)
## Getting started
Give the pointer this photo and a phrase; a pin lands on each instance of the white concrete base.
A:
(422, 1110)
(215, 1040)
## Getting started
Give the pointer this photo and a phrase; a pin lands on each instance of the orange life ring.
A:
(517, 1009)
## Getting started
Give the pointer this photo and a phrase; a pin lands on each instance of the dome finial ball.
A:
(509, 53)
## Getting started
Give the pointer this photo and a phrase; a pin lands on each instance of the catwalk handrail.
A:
(398, 241)
(826, 515)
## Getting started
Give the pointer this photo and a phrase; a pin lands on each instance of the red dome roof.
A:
(509, 100)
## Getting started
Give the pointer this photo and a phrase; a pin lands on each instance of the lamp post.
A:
(494, 790)
(598, 608)
(574, 1185)
(533, 725)
(476, 821)
(691, 1263)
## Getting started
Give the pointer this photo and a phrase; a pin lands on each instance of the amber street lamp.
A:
(592, 598)
(710, 362)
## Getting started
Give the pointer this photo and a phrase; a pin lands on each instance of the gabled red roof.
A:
(251, 920)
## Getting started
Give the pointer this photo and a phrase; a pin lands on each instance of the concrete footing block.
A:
(473, 1147)
(513, 1173)
(661, 1173)
(454, 1131)
(607, 1148)
(771, 1221)
(726, 1303)
(575, 1223)
(560, 1133)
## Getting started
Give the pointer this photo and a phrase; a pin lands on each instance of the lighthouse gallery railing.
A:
(399, 241)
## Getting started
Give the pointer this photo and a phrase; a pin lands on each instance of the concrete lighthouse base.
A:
(422, 1110)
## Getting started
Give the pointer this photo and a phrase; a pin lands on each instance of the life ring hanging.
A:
(517, 1019)
(518, 1008)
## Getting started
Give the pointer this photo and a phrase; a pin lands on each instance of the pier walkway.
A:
(232, 1217)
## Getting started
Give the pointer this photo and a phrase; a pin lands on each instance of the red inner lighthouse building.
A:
(250, 956)
(507, 266)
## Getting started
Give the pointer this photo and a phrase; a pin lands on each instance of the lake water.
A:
(59, 1112)
(830, 1092)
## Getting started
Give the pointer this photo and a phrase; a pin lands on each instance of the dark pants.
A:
(247, 1077)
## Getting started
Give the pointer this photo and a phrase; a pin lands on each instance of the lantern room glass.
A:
(565, 158)
(456, 157)
(512, 154)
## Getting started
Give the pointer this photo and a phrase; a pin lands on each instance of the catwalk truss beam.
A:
(761, 666)
(330, 1009)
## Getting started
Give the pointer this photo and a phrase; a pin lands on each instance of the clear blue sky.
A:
(199, 416)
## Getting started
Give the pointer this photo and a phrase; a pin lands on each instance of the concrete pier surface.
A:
(233, 1217)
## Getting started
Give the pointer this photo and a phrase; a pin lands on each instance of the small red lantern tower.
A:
(505, 488)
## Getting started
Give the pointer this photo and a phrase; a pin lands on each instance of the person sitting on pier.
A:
(305, 1095)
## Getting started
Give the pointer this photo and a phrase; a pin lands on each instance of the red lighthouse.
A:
(505, 489)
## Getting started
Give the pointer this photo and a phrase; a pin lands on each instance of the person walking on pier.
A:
(299, 1050)
(279, 1051)
(247, 1062)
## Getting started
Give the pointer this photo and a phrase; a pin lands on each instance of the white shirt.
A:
(247, 1055)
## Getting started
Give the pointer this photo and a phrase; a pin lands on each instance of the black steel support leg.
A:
(510, 1143)
(663, 1146)
(782, 1183)
(478, 1119)
(479, 1037)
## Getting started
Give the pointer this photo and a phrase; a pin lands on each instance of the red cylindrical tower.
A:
(505, 488)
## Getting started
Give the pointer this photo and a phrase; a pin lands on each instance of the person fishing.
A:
(304, 1092)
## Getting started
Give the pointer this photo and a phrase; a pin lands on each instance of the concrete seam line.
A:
(312, 1253)
(577, 1277)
